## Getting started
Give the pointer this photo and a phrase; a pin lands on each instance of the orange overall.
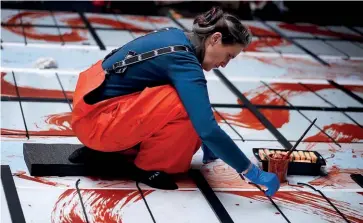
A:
(155, 118)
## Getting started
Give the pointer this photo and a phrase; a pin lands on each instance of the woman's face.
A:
(218, 54)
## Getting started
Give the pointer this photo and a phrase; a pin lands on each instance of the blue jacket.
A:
(183, 71)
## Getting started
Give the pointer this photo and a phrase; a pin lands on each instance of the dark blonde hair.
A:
(215, 20)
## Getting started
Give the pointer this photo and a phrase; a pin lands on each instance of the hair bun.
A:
(209, 18)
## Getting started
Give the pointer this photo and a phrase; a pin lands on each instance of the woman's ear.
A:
(216, 37)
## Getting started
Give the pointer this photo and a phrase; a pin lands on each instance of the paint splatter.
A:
(258, 44)
(8, 89)
(308, 203)
(303, 68)
(337, 178)
(101, 205)
(316, 30)
(56, 125)
(22, 175)
(74, 35)
(341, 132)
(220, 175)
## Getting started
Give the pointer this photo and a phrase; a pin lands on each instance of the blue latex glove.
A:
(208, 156)
(267, 179)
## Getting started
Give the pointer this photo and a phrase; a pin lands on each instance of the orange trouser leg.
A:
(170, 149)
(154, 118)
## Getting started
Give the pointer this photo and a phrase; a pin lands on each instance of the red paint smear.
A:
(101, 205)
(336, 177)
(260, 31)
(148, 19)
(62, 121)
(8, 89)
(316, 30)
(264, 96)
(264, 41)
(22, 175)
(341, 132)
(75, 35)
(308, 203)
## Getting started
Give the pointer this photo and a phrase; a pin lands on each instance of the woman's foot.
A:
(156, 179)
(114, 164)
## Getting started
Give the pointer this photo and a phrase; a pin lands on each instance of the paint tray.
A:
(295, 167)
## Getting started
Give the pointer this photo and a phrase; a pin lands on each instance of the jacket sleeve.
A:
(188, 79)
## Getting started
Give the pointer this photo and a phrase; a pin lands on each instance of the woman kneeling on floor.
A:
(156, 103)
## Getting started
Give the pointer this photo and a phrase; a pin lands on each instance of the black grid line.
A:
(64, 93)
(284, 142)
(92, 31)
(355, 30)
(21, 107)
(335, 48)
(301, 113)
(347, 91)
(239, 135)
(11, 195)
(212, 199)
(145, 202)
(318, 95)
(56, 24)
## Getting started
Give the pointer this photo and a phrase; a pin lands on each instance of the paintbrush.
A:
(298, 141)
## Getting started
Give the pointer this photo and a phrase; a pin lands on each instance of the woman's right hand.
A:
(267, 179)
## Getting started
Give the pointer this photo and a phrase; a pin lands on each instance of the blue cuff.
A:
(208, 155)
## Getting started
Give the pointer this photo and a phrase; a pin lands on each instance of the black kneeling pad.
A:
(54, 160)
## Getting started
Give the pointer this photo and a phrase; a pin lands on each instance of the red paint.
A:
(75, 35)
(337, 178)
(341, 132)
(256, 45)
(146, 19)
(8, 89)
(264, 96)
(316, 30)
(101, 205)
(260, 31)
(308, 203)
(22, 175)
(61, 120)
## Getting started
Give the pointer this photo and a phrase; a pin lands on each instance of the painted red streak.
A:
(308, 203)
(262, 42)
(316, 30)
(8, 89)
(148, 19)
(260, 31)
(337, 178)
(75, 35)
(257, 45)
(61, 121)
(305, 68)
(102, 206)
(22, 175)
(341, 132)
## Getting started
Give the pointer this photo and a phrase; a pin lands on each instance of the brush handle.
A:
(300, 139)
